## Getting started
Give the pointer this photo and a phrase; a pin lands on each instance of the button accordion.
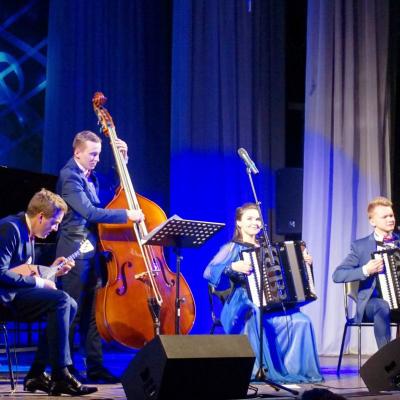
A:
(287, 279)
(389, 279)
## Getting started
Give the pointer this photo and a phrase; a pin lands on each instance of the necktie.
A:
(388, 239)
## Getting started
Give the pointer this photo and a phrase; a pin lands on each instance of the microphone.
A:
(247, 160)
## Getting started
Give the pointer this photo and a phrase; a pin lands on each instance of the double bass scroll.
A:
(138, 300)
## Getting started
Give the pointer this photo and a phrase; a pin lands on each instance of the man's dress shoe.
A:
(77, 374)
(102, 376)
(40, 382)
(69, 385)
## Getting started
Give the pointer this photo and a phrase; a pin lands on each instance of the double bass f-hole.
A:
(122, 290)
(159, 268)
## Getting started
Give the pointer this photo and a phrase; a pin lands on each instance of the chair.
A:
(221, 295)
(350, 293)
(3, 328)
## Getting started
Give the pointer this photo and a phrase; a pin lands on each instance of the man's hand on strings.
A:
(122, 148)
(135, 215)
(65, 268)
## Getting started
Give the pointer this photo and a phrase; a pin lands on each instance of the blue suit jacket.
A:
(84, 211)
(15, 249)
(351, 270)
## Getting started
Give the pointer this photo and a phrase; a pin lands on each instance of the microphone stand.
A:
(265, 249)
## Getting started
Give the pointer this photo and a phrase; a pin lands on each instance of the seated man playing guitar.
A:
(31, 294)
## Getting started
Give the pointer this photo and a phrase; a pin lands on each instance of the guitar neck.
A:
(51, 271)
(69, 258)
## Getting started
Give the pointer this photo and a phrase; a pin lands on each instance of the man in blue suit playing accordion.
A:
(360, 266)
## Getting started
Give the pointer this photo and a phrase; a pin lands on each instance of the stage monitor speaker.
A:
(382, 370)
(190, 367)
(289, 201)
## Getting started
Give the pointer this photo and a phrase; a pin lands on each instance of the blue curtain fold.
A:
(121, 48)
(227, 93)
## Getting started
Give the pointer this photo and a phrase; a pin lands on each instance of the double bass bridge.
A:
(156, 269)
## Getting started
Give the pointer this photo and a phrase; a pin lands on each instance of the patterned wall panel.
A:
(23, 48)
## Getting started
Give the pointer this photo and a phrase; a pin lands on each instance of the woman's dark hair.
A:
(237, 235)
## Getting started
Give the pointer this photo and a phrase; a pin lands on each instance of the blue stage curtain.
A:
(227, 92)
(121, 48)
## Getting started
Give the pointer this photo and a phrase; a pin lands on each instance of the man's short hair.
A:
(378, 201)
(83, 137)
(46, 202)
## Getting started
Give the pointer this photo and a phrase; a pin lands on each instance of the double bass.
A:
(138, 300)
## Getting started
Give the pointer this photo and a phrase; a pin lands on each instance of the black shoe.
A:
(69, 385)
(40, 382)
(77, 374)
(102, 376)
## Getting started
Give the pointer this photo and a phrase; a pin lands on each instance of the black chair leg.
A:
(212, 329)
(341, 350)
(359, 349)
(10, 366)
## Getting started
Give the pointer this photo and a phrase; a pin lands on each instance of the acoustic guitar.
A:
(49, 272)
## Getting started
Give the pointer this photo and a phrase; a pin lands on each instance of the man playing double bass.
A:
(78, 185)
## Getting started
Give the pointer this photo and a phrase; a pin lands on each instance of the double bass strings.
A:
(140, 229)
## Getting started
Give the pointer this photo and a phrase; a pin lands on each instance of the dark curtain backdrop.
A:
(188, 83)
(121, 48)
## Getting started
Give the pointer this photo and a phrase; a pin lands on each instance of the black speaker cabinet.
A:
(190, 367)
(382, 370)
(289, 201)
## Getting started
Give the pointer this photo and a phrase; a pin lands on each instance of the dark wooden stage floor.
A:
(349, 384)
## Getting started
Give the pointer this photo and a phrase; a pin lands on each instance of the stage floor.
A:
(348, 384)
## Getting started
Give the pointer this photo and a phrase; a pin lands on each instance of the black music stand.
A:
(178, 233)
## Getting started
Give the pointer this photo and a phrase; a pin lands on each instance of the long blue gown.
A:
(289, 348)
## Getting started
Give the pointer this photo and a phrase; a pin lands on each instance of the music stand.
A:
(178, 233)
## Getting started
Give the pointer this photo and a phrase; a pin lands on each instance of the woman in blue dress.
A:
(289, 348)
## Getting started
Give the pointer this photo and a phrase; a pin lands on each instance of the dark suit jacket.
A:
(351, 270)
(84, 212)
(15, 249)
